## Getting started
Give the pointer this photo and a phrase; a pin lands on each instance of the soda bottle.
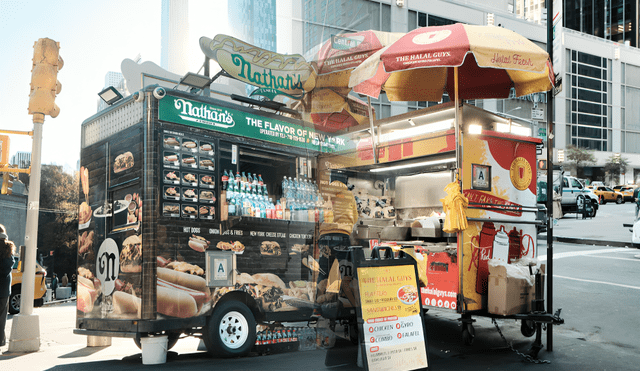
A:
(225, 179)
(244, 178)
(249, 179)
(260, 181)
(255, 179)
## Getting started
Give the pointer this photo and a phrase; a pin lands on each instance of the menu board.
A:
(188, 176)
(393, 331)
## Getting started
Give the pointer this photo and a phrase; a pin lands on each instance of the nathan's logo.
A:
(282, 74)
(266, 79)
(203, 113)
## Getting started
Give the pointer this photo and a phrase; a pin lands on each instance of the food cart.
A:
(198, 217)
(400, 198)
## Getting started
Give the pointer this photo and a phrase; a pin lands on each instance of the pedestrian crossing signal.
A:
(542, 164)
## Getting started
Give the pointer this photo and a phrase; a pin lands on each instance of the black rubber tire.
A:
(14, 303)
(468, 333)
(527, 328)
(619, 200)
(593, 209)
(237, 320)
(172, 339)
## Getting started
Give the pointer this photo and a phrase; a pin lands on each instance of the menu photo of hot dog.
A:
(206, 147)
(189, 161)
(189, 145)
(123, 162)
(198, 243)
(171, 158)
(207, 163)
(172, 142)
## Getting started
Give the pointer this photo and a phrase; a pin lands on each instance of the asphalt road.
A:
(597, 287)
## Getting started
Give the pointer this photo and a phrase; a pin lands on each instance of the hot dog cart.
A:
(198, 217)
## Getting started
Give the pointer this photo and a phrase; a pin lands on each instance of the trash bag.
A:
(455, 207)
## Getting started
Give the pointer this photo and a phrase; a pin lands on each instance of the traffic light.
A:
(7, 183)
(44, 78)
(542, 164)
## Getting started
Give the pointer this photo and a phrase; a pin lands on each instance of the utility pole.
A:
(25, 331)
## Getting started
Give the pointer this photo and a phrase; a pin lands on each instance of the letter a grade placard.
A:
(393, 333)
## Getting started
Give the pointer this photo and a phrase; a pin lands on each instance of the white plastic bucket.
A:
(154, 350)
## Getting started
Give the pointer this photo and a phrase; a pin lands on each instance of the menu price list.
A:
(187, 177)
(393, 328)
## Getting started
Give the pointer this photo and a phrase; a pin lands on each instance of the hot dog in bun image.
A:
(180, 294)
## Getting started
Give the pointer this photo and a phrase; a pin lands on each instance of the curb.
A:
(588, 241)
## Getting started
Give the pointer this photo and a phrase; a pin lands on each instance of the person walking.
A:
(64, 281)
(7, 249)
(74, 280)
(54, 286)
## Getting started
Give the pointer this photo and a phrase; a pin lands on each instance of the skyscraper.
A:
(615, 20)
(174, 53)
(254, 21)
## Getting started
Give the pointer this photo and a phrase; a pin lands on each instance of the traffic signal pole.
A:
(25, 331)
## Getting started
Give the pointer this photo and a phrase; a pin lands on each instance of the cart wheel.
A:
(528, 328)
(468, 333)
(230, 331)
(171, 341)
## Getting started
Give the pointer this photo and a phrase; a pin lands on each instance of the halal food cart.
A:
(199, 217)
(488, 268)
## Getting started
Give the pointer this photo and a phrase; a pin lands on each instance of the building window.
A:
(587, 110)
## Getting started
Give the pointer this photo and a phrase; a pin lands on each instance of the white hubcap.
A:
(234, 330)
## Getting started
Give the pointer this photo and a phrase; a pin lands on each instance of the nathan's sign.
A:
(283, 74)
(231, 121)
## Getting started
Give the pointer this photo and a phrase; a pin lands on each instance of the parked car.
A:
(40, 288)
(626, 190)
(606, 194)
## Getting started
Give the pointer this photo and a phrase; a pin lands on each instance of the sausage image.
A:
(175, 303)
(125, 303)
(182, 279)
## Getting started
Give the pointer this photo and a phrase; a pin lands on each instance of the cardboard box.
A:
(511, 288)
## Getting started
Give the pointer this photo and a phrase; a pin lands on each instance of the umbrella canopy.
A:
(420, 65)
(331, 111)
(339, 55)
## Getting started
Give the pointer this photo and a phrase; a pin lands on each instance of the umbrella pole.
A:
(457, 123)
(373, 133)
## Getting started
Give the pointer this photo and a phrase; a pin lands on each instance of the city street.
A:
(595, 285)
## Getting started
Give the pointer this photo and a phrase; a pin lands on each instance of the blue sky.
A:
(94, 36)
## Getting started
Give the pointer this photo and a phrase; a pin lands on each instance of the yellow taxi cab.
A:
(626, 190)
(40, 287)
(606, 194)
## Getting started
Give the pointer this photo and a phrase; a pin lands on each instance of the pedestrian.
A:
(64, 281)
(54, 286)
(74, 279)
(7, 249)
